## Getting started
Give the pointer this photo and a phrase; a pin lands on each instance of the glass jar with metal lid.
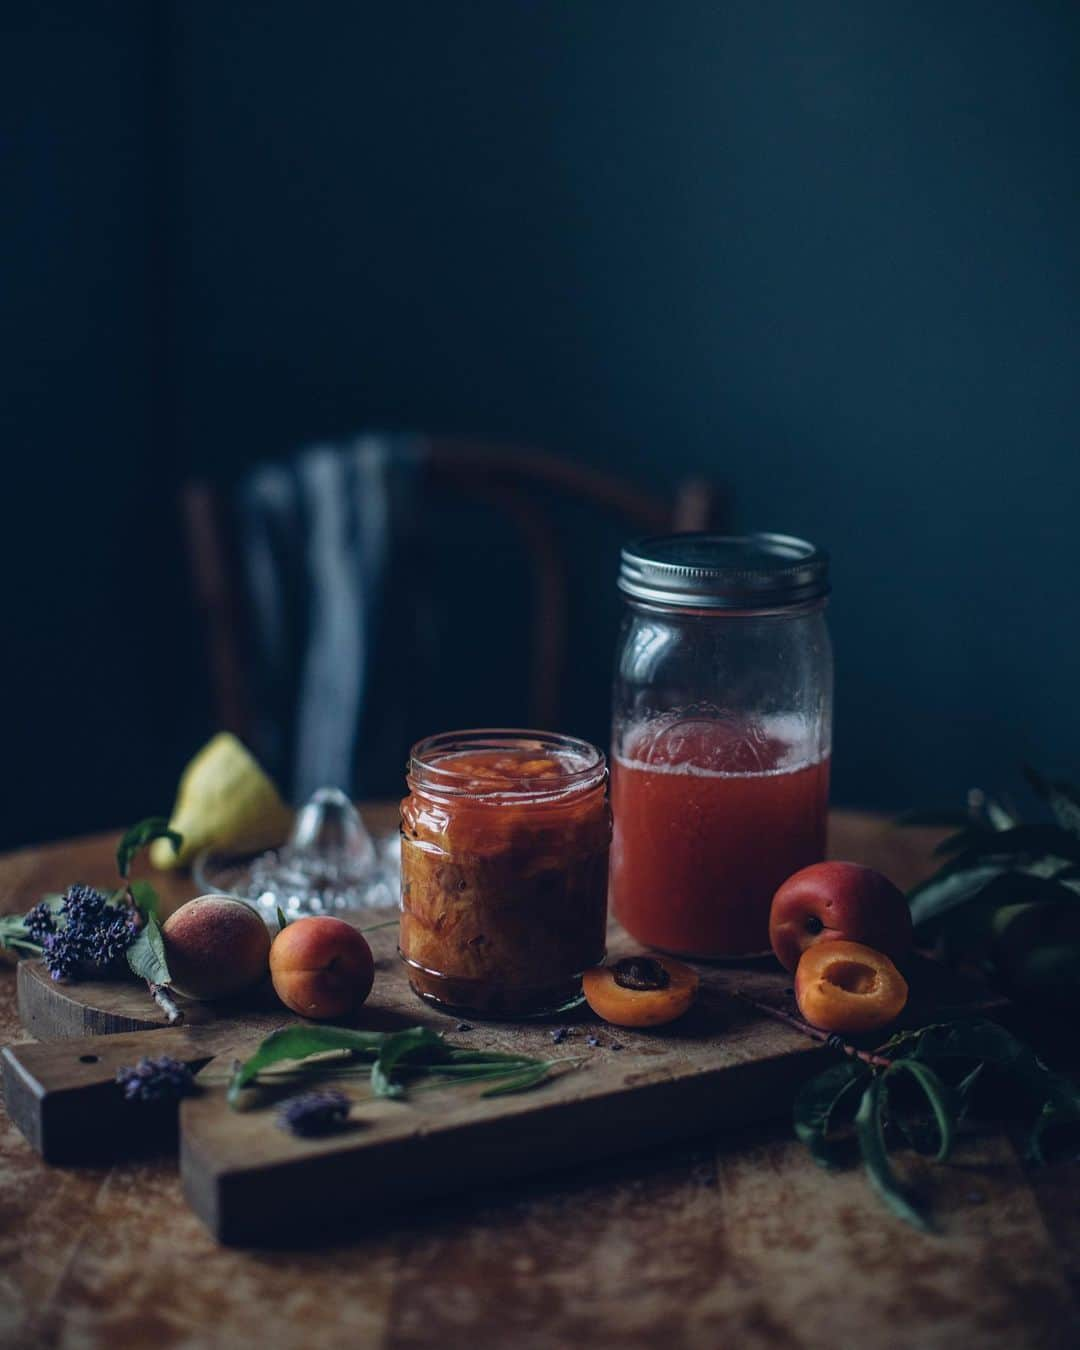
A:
(722, 736)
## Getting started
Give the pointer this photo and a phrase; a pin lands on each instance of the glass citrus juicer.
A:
(330, 864)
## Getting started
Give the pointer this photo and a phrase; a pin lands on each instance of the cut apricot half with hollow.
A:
(848, 988)
(640, 991)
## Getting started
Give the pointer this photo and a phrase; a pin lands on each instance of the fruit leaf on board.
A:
(420, 1051)
(146, 955)
(398, 1046)
(298, 1043)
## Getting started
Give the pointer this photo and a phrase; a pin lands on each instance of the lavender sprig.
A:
(40, 923)
(156, 1080)
(92, 933)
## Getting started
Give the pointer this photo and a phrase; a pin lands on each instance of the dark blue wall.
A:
(826, 253)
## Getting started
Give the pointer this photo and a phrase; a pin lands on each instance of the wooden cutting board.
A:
(725, 1064)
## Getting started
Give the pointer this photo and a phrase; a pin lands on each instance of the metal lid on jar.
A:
(717, 571)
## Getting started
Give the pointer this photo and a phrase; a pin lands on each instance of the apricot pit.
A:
(641, 991)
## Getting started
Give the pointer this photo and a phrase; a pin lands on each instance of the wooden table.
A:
(738, 1243)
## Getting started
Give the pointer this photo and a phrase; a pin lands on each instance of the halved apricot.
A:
(848, 988)
(640, 991)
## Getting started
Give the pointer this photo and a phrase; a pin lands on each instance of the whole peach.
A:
(838, 900)
(321, 967)
(215, 946)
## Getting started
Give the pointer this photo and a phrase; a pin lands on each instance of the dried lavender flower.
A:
(61, 953)
(40, 923)
(560, 1034)
(93, 933)
(156, 1080)
(314, 1113)
(109, 940)
(83, 904)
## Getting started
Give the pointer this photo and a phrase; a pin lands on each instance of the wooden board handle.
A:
(64, 1097)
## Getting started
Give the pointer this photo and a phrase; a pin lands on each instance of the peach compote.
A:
(504, 859)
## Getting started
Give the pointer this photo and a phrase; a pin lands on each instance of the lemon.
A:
(224, 801)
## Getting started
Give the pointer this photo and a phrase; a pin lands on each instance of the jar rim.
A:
(707, 571)
(427, 772)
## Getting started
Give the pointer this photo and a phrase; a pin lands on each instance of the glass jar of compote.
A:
(504, 860)
(722, 736)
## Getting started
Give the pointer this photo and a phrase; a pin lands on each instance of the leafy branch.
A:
(1007, 894)
(943, 1066)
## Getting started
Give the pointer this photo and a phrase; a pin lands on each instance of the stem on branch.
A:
(162, 996)
(825, 1037)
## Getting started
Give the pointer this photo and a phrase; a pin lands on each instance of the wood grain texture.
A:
(738, 1241)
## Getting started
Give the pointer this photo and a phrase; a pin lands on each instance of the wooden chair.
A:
(514, 482)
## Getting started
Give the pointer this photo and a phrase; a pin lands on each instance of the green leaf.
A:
(398, 1046)
(958, 843)
(146, 899)
(487, 1057)
(146, 955)
(141, 834)
(965, 1087)
(937, 1094)
(816, 1103)
(998, 816)
(522, 1082)
(1062, 798)
(986, 1043)
(1062, 1107)
(869, 1128)
(282, 921)
(299, 1043)
(987, 885)
(1024, 843)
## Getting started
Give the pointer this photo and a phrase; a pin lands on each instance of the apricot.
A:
(848, 988)
(843, 901)
(640, 991)
(215, 947)
(321, 967)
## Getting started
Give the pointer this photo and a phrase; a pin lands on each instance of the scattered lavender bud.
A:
(156, 1080)
(464, 1026)
(616, 1045)
(40, 923)
(560, 1034)
(592, 1039)
(314, 1113)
